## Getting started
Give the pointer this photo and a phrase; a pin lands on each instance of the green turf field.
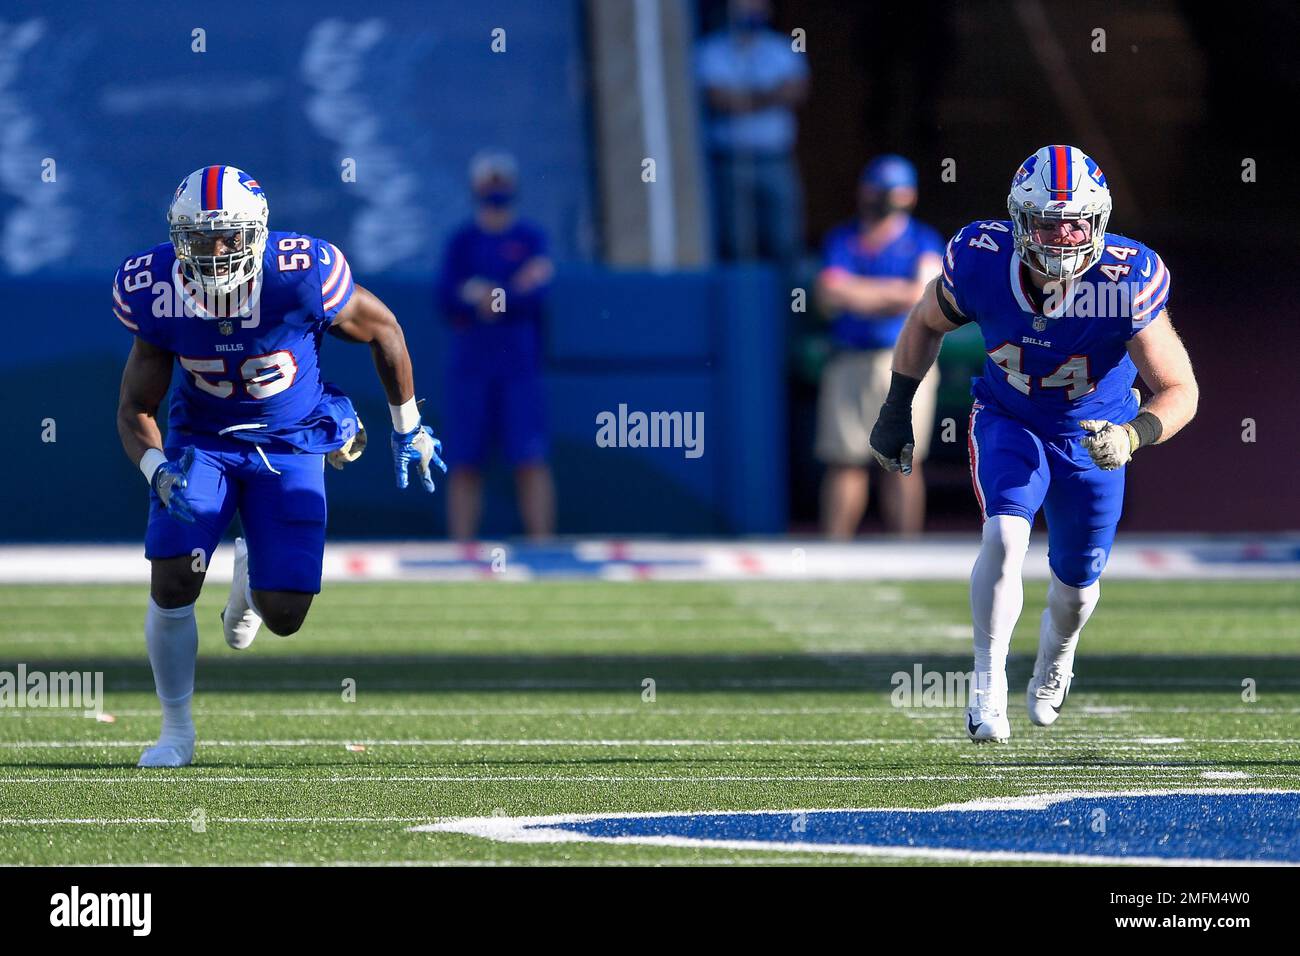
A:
(527, 699)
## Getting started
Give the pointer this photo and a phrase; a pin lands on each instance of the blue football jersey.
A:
(1057, 358)
(253, 376)
(899, 259)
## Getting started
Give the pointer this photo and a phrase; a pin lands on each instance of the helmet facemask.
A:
(220, 256)
(1062, 243)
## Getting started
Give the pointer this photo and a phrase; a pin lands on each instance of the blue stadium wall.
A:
(117, 96)
(114, 93)
(708, 342)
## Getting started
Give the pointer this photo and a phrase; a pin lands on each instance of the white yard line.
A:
(189, 777)
(635, 710)
(1056, 743)
(638, 711)
(794, 859)
(186, 821)
(865, 685)
(468, 742)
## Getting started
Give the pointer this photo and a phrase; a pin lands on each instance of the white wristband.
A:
(149, 463)
(406, 417)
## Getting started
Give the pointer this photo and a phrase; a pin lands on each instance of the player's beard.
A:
(1064, 264)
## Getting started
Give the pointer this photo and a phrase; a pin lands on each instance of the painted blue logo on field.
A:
(1190, 826)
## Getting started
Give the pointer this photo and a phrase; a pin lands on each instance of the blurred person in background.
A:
(494, 278)
(752, 81)
(875, 271)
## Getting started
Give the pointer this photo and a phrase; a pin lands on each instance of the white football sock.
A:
(1068, 609)
(248, 596)
(996, 598)
(172, 637)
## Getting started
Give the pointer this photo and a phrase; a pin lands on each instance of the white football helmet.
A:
(219, 204)
(1059, 205)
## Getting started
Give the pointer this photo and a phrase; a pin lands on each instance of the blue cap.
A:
(889, 172)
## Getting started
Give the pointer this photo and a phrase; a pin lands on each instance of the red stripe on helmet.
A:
(1061, 170)
(211, 180)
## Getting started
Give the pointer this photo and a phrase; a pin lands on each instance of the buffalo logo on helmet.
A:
(249, 183)
(1095, 171)
(1023, 172)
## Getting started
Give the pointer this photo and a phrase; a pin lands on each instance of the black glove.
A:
(892, 441)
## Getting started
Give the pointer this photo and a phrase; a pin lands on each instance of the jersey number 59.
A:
(295, 260)
(263, 375)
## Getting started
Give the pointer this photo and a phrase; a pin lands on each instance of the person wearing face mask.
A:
(492, 287)
(752, 82)
(876, 269)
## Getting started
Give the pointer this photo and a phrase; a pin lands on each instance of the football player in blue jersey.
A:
(250, 426)
(1070, 315)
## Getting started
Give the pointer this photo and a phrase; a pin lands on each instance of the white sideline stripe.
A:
(940, 557)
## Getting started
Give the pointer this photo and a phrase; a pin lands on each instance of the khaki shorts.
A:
(854, 386)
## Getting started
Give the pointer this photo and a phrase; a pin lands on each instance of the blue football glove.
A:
(169, 482)
(418, 448)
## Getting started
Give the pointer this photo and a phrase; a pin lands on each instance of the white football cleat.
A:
(169, 751)
(984, 725)
(1046, 695)
(238, 620)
